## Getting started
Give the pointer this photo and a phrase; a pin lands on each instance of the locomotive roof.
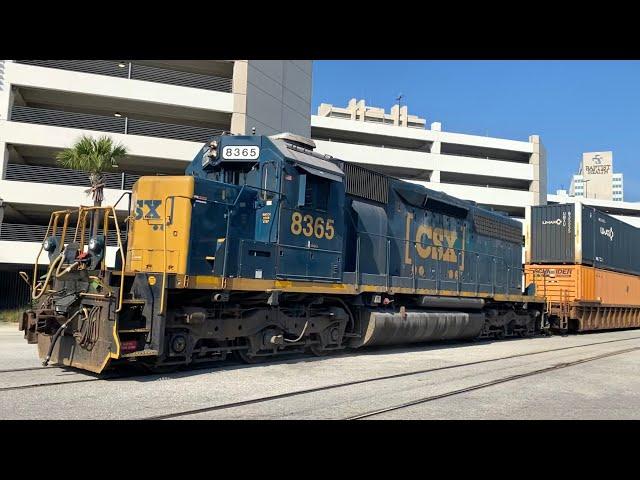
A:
(293, 148)
(314, 163)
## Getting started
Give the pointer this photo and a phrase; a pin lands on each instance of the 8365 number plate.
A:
(241, 152)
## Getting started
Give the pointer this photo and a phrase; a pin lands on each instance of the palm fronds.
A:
(95, 156)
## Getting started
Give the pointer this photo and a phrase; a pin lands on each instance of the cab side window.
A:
(316, 193)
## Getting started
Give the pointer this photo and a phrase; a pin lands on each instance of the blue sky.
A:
(575, 106)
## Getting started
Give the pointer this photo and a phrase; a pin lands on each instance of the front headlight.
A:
(49, 244)
(96, 245)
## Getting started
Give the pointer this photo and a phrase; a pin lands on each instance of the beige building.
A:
(595, 178)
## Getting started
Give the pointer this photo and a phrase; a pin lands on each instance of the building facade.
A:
(505, 175)
(595, 178)
(161, 110)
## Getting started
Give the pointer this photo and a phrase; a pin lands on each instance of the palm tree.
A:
(95, 156)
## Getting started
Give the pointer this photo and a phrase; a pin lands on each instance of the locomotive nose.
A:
(160, 224)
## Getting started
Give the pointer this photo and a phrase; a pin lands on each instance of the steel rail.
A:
(25, 369)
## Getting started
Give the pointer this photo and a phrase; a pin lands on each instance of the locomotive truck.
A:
(266, 247)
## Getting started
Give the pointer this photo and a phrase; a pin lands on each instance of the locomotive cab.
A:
(281, 207)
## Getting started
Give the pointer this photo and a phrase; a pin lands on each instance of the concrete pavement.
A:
(600, 389)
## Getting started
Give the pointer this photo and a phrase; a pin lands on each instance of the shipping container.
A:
(591, 298)
(580, 283)
(581, 235)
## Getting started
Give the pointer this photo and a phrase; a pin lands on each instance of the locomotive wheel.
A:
(524, 333)
(244, 357)
(318, 351)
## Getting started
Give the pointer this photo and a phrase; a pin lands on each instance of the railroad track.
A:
(491, 383)
(283, 395)
(48, 384)
(270, 398)
(25, 369)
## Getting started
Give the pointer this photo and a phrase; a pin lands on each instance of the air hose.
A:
(301, 334)
(55, 338)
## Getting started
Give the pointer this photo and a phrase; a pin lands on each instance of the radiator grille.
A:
(491, 227)
(365, 183)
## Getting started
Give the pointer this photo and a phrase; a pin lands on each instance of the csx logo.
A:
(439, 236)
(151, 206)
(443, 242)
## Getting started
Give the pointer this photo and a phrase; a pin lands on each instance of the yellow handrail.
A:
(53, 222)
(81, 222)
(120, 247)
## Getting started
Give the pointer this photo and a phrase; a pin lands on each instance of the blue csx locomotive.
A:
(266, 247)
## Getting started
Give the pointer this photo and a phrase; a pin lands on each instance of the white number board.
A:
(241, 152)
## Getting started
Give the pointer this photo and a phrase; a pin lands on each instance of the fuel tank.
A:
(388, 328)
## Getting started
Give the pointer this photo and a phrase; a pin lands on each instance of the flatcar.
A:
(266, 247)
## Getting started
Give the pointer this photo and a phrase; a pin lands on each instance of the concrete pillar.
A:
(239, 90)
(351, 106)
(274, 96)
(324, 110)
(538, 160)
(5, 92)
(435, 146)
(4, 156)
(395, 114)
(361, 111)
(404, 116)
